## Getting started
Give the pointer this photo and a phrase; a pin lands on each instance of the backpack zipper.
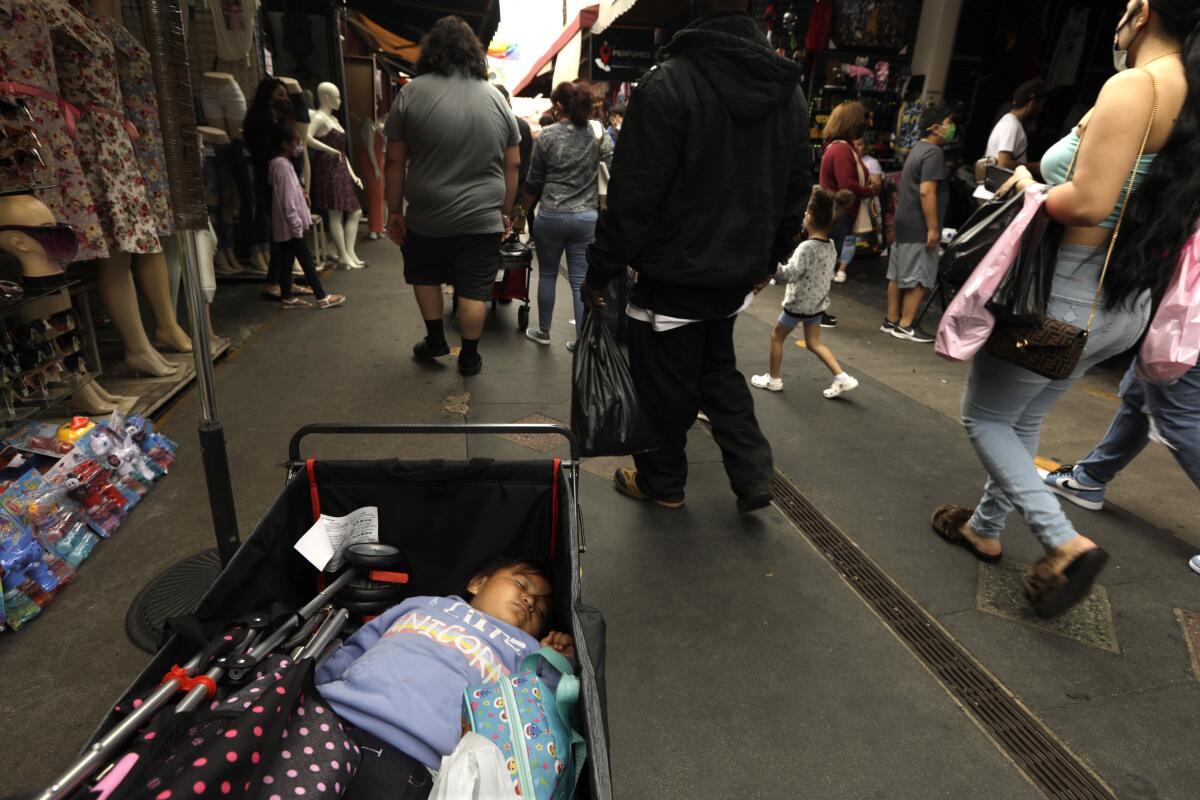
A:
(516, 735)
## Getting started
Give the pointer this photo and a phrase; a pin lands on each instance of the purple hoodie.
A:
(402, 676)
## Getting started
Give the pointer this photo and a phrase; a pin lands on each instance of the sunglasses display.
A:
(39, 359)
(58, 241)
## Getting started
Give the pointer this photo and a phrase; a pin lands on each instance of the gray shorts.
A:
(911, 265)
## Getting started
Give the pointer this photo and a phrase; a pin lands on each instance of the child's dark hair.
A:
(526, 566)
(826, 205)
(283, 134)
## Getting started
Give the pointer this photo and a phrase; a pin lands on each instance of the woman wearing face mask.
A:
(1157, 54)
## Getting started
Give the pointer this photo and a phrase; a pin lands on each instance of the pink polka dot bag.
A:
(270, 739)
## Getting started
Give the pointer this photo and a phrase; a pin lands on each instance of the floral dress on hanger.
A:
(87, 77)
(27, 58)
(141, 108)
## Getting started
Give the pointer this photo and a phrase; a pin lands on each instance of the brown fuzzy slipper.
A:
(947, 522)
(1054, 593)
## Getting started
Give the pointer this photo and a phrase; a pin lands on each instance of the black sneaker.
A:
(828, 321)
(913, 334)
(424, 350)
(888, 326)
(470, 366)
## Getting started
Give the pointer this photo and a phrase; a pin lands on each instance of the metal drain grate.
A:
(1045, 761)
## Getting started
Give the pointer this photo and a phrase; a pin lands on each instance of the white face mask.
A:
(1121, 56)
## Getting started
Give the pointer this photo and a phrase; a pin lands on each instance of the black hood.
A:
(735, 58)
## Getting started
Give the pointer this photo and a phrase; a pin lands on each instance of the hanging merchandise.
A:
(233, 24)
(140, 102)
(872, 23)
(30, 96)
(1064, 68)
(820, 25)
(87, 76)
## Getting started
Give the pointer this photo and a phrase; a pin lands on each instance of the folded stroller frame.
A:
(439, 519)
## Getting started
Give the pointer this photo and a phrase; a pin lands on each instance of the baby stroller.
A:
(512, 278)
(445, 518)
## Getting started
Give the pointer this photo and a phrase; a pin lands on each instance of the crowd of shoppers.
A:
(720, 96)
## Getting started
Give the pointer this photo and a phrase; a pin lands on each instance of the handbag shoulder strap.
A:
(1112, 243)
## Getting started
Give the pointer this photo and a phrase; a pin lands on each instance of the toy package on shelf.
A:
(31, 574)
(90, 486)
(157, 447)
(125, 459)
(41, 438)
(55, 520)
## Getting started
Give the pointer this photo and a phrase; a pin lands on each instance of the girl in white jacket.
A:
(808, 275)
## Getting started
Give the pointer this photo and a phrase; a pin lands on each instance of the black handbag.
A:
(976, 237)
(1024, 335)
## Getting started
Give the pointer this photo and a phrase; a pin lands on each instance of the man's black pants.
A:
(678, 373)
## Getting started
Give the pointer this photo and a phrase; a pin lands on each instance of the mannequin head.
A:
(329, 97)
(30, 234)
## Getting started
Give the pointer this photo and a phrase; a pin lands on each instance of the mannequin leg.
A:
(150, 272)
(351, 237)
(119, 297)
(337, 232)
(88, 400)
(104, 394)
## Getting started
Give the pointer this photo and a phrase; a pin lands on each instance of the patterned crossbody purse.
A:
(1048, 347)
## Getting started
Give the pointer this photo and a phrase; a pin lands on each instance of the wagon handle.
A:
(406, 428)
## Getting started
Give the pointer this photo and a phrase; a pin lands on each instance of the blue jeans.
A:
(1176, 413)
(555, 232)
(1004, 405)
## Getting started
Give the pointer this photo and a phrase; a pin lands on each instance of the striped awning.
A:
(610, 10)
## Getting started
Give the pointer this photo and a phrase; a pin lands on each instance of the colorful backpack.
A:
(532, 726)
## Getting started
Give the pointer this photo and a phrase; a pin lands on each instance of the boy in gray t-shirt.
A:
(920, 213)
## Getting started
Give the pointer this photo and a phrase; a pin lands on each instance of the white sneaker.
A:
(767, 382)
(1195, 564)
(838, 388)
(537, 335)
(839, 277)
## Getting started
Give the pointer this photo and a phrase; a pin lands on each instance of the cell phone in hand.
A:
(996, 177)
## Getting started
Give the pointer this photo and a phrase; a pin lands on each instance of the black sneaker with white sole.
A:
(828, 321)
(913, 334)
(888, 326)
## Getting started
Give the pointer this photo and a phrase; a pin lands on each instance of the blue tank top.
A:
(1057, 161)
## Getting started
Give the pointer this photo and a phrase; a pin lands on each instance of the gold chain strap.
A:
(1112, 243)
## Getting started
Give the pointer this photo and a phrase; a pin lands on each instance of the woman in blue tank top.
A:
(1004, 405)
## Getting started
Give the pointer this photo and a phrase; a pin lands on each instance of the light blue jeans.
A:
(553, 233)
(1176, 412)
(1004, 405)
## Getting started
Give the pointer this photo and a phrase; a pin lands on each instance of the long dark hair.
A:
(259, 122)
(1163, 211)
(575, 100)
(451, 48)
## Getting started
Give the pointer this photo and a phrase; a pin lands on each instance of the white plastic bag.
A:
(474, 771)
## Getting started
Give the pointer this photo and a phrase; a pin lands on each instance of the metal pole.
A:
(167, 44)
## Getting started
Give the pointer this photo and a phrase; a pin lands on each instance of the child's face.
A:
(515, 595)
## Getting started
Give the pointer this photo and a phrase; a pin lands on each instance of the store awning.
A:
(644, 14)
(383, 40)
(412, 19)
(569, 39)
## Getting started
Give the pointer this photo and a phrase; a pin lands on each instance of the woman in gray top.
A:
(562, 181)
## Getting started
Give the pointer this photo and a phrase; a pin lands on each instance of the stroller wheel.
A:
(373, 593)
(372, 554)
(522, 318)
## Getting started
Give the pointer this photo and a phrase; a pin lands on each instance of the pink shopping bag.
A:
(967, 323)
(1172, 343)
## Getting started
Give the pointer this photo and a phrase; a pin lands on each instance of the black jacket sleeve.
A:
(644, 168)
(798, 190)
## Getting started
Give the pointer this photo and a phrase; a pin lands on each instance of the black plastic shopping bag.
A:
(605, 414)
(976, 237)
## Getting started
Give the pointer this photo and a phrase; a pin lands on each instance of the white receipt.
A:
(325, 543)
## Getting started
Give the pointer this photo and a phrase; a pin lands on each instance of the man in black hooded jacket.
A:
(710, 182)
